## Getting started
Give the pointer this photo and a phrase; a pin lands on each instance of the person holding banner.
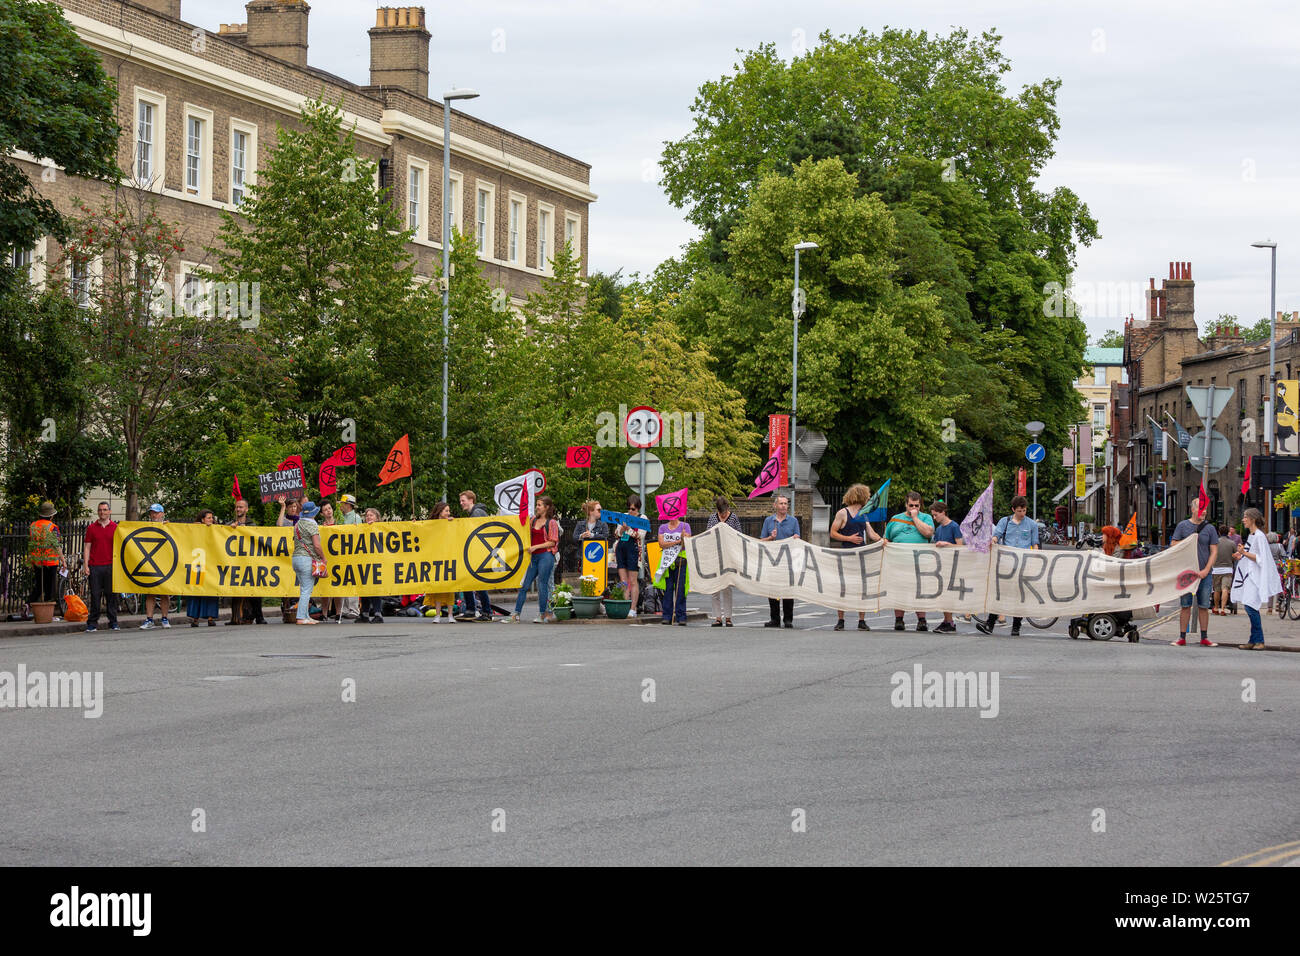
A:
(201, 607)
(947, 534)
(331, 607)
(348, 515)
(777, 527)
(722, 599)
(672, 538)
(372, 608)
(469, 504)
(441, 511)
(1016, 530)
(151, 602)
(544, 547)
(910, 526)
(1207, 537)
(627, 554)
(308, 559)
(851, 529)
(245, 610)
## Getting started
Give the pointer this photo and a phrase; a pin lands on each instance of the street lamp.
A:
(447, 98)
(797, 307)
(1272, 370)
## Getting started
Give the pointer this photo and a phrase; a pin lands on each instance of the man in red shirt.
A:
(99, 561)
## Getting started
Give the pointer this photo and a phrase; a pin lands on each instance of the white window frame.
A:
(1098, 417)
(574, 219)
(157, 143)
(1099, 376)
(487, 245)
(93, 280)
(250, 156)
(517, 229)
(457, 190)
(203, 190)
(545, 211)
(421, 226)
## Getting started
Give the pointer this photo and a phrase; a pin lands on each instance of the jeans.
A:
(541, 569)
(302, 571)
(479, 599)
(675, 592)
(1204, 594)
(101, 589)
(1256, 629)
(372, 607)
(721, 602)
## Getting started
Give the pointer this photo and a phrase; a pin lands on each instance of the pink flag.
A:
(977, 529)
(671, 506)
(769, 479)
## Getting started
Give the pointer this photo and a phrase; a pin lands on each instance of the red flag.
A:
(524, 507)
(293, 461)
(578, 456)
(345, 457)
(235, 492)
(1245, 485)
(398, 463)
(326, 479)
(1202, 502)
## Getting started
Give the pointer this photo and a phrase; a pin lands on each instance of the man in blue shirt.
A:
(1016, 531)
(910, 526)
(778, 527)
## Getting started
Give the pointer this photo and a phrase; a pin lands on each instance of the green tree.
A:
(60, 105)
(1110, 339)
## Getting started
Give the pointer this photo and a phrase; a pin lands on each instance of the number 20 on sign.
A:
(643, 427)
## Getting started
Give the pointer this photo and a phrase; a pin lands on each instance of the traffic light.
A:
(1158, 495)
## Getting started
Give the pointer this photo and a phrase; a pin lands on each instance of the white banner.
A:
(921, 577)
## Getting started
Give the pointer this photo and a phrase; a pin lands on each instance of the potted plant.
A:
(562, 602)
(586, 604)
(42, 542)
(616, 604)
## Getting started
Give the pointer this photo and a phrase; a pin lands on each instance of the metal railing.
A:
(17, 576)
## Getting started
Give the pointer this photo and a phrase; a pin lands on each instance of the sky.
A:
(1180, 123)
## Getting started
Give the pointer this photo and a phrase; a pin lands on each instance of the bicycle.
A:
(1289, 599)
(1042, 623)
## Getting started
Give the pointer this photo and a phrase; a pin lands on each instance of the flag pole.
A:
(412, 495)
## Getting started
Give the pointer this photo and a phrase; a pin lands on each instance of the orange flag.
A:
(398, 463)
(1130, 537)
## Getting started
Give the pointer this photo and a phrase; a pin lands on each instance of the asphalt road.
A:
(546, 730)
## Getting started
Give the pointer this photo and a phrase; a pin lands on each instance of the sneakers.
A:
(839, 625)
(983, 627)
(91, 627)
(115, 628)
(1206, 642)
(486, 618)
(166, 623)
(148, 624)
(922, 626)
(631, 615)
(898, 624)
(379, 619)
(946, 628)
(1180, 643)
(1015, 632)
(775, 624)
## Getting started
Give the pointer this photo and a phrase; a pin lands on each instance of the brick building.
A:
(1163, 354)
(199, 112)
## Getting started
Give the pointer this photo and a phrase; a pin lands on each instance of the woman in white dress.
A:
(1256, 579)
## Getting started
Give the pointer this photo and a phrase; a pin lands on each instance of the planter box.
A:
(617, 610)
(585, 607)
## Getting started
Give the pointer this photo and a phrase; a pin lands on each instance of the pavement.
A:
(414, 743)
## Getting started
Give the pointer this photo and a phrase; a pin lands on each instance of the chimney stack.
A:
(168, 8)
(399, 50)
(1178, 303)
(279, 28)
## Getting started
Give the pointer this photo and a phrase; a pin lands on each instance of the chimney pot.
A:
(399, 50)
(279, 28)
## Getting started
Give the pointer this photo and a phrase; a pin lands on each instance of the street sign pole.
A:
(645, 509)
(1205, 462)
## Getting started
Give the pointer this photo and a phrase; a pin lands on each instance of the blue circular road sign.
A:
(1035, 453)
(594, 550)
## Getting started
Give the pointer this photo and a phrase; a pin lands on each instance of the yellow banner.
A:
(1080, 480)
(366, 560)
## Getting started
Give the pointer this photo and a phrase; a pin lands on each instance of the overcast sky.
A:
(1180, 121)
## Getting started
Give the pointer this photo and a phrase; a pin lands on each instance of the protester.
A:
(591, 528)
(544, 546)
(910, 526)
(672, 535)
(245, 610)
(45, 555)
(348, 515)
(469, 504)
(372, 608)
(98, 559)
(947, 534)
(331, 607)
(307, 550)
(441, 511)
(1206, 538)
(1256, 579)
(722, 514)
(1016, 530)
(1279, 555)
(850, 529)
(779, 526)
(627, 554)
(203, 607)
(290, 512)
(157, 513)
(1222, 571)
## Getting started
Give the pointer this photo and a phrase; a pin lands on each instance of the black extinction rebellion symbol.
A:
(144, 559)
(486, 552)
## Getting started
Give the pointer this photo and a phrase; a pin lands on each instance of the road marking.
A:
(570, 665)
(1267, 849)
(221, 677)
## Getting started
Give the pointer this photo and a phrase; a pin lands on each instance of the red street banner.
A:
(398, 463)
(578, 456)
(1020, 482)
(1245, 485)
(778, 436)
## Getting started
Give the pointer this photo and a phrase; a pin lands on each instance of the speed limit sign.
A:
(643, 428)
